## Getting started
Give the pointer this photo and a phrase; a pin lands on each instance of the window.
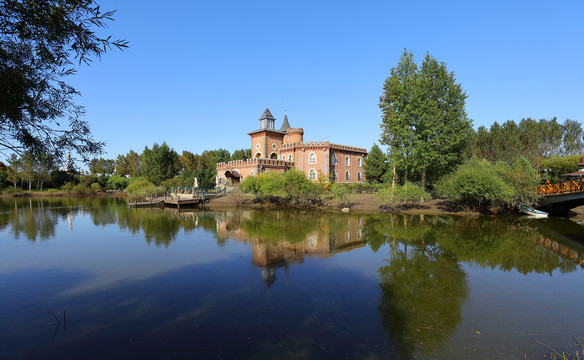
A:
(258, 154)
(283, 157)
(358, 162)
(347, 175)
(274, 156)
(274, 146)
(347, 161)
(290, 157)
(251, 173)
(334, 175)
(312, 158)
(257, 146)
(312, 174)
(334, 160)
(359, 176)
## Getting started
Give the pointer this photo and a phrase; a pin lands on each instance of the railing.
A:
(562, 187)
(194, 191)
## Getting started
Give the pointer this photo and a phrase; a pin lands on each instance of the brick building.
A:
(280, 150)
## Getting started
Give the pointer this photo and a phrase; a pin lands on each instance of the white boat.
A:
(533, 212)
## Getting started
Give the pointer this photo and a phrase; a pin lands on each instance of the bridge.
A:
(562, 196)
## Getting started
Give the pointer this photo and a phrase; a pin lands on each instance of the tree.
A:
(159, 163)
(102, 166)
(43, 166)
(424, 120)
(241, 154)
(41, 43)
(376, 165)
(130, 164)
(13, 170)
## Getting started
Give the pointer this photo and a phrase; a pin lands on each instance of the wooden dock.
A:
(195, 198)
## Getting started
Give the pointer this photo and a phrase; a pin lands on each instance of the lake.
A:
(92, 279)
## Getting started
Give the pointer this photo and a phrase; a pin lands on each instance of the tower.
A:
(267, 121)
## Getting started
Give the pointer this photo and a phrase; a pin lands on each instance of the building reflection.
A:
(276, 245)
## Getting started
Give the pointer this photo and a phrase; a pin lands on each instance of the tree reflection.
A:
(423, 284)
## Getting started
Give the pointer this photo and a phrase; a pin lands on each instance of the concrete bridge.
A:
(561, 197)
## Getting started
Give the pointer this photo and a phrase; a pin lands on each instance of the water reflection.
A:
(421, 285)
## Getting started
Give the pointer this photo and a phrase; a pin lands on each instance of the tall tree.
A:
(159, 163)
(129, 164)
(424, 118)
(398, 107)
(41, 43)
(13, 170)
(375, 166)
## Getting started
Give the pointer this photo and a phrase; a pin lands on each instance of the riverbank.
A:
(358, 203)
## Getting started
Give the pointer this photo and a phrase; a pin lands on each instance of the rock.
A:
(345, 209)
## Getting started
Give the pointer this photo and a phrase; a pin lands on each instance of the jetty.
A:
(179, 197)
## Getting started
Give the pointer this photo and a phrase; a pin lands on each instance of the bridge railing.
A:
(562, 187)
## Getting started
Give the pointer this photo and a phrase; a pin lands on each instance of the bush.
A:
(95, 187)
(340, 192)
(407, 194)
(291, 185)
(116, 182)
(140, 189)
(477, 184)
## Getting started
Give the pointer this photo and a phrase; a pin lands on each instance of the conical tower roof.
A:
(267, 115)
(285, 124)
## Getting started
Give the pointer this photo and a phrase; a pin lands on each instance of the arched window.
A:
(334, 175)
(258, 154)
(347, 161)
(274, 156)
(312, 158)
(334, 160)
(290, 157)
(358, 162)
(251, 173)
(312, 174)
(359, 176)
(347, 175)
(283, 157)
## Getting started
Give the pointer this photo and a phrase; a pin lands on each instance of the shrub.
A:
(340, 193)
(407, 194)
(291, 185)
(477, 184)
(95, 187)
(142, 188)
(116, 182)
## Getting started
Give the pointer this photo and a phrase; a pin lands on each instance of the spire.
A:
(267, 120)
(267, 115)
(285, 123)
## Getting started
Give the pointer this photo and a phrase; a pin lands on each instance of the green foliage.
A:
(141, 188)
(3, 179)
(557, 166)
(376, 165)
(340, 193)
(159, 163)
(291, 185)
(41, 43)
(478, 184)
(408, 193)
(116, 182)
(241, 154)
(424, 122)
(129, 164)
(535, 140)
(95, 187)
(102, 166)
(59, 178)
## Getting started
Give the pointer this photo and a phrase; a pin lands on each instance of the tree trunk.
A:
(393, 178)
(423, 181)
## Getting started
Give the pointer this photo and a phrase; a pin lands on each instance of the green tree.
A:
(398, 108)
(573, 138)
(102, 166)
(41, 43)
(43, 167)
(424, 118)
(241, 154)
(13, 169)
(189, 161)
(159, 163)
(129, 164)
(376, 165)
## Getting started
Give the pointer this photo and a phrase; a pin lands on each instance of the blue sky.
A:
(198, 74)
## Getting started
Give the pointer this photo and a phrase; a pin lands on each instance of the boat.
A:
(533, 212)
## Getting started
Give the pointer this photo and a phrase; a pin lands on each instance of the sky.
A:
(199, 74)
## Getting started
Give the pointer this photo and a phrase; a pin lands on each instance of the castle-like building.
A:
(280, 150)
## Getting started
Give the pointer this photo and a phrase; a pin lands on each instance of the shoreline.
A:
(359, 203)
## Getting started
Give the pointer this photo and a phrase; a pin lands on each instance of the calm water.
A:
(91, 279)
